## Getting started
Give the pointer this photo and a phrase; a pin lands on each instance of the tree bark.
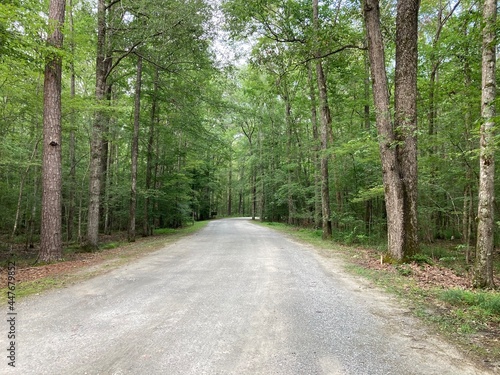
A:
(135, 152)
(51, 228)
(405, 119)
(96, 137)
(390, 167)
(147, 228)
(317, 170)
(289, 151)
(72, 138)
(483, 270)
(326, 123)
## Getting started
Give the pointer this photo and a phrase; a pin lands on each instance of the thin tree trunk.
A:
(147, 228)
(96, 137)
(483, 270)
(366, 125)
(51, 228)
(326, 123)
(106, 162)
(72, 138)
(290, 154)
(316, 148)
(31, 221)
(135, 152)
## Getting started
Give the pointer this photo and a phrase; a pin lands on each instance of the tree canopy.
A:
(291, 133)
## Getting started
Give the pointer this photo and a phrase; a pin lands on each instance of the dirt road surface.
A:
(234, 298)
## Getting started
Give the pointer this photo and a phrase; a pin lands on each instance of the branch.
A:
(111, 4)
(274, 36)
(131, 49)
(343, 48)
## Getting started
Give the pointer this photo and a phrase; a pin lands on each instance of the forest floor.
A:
(438, 292)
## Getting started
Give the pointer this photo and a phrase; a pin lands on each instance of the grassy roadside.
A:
(467, 317)
(77, 267)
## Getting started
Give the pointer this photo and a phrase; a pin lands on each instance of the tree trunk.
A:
(289, 151)
(72, 139)
(326, 123)
(51, 229)
(135, 152)
(316, 148)
(96, 137)
(147, 228)
(366, 125)
(483, 270)
(405, 120)
(390, 167)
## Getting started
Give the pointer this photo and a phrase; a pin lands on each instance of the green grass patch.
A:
(32, 287)
(110, 245)
(484, 302)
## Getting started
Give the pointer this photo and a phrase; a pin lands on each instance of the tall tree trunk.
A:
(290, 153)
(135, 152)
(51, 228)
(366, 125)
(468, 217)
(106, 160)
(405, 119)
(72, 138)
(96, 137)
(147, 228)
(316, 148)
(390, 167)
(483, 271)
(326, 124)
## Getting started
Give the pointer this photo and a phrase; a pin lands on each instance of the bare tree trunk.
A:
(289, 151)
(51, 229)
(72, 139)
(96, 137)
(135, 152)
(326, 124)
(390, 167)
(366, 113)
(316, 147)
(147, 228)
(405, 120)
(483, 270)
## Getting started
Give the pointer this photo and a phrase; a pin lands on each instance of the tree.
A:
(51, 225)
(102, 71)
(135, 152)
(397, 147)
(325, 130)
(483, 275)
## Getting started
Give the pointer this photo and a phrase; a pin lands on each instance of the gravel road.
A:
(234, 298)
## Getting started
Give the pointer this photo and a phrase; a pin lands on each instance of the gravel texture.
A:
(234, 298)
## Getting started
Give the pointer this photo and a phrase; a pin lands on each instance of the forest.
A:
(372, 122)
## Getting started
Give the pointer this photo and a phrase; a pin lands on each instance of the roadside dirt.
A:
(79, 262)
